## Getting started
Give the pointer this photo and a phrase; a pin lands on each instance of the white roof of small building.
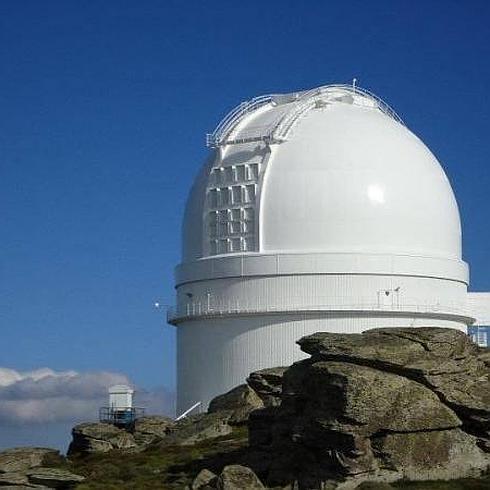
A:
(120, 389)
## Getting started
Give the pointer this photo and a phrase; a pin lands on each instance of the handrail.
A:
(120, 415)
(302, 102)
(199, 309)
(229, 122)
(356, 90)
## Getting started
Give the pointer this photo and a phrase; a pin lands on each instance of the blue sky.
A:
(103, 111)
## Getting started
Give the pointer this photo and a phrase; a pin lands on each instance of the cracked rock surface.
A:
(384, 405)
(94, 437)
(239, 401)
(267, 383)
(25, 468)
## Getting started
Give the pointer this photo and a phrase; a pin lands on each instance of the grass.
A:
(157, 468)
(463, 484)
(174, 467)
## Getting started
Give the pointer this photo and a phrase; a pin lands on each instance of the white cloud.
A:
(159, 400)
(45, 395)
(40, 407)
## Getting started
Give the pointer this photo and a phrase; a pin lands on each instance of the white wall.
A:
(121, 400)
(353, 179)
(322, 291)
(479, 304)
(216, 355)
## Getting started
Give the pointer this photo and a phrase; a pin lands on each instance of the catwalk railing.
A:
(191, 310)
(277, 129)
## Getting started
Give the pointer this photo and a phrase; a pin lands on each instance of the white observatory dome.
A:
(317, 210)
(348, 178)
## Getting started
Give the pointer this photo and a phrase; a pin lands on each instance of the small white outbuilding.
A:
(120, 397)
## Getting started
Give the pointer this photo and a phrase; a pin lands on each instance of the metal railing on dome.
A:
(230, 120)
(278, 130)
(356, 90)
(192, 310)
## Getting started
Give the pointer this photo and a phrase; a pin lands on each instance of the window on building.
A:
(247, 227)
(229, 175)
(213, 198)
(223, 246)
(249, 193)
(235, 245)
(248, 214)
(223, 228)
(235, 214)
(230, 225)
(236, 194)
(224, 196)
(240, 173)
(216, 176)
(253, 171)
(248, 244)
(235, 227)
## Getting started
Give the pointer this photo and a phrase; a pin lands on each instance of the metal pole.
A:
(189, 410)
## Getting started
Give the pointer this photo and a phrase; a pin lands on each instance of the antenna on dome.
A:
(354, 81)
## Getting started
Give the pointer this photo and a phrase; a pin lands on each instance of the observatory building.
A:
(316, 211)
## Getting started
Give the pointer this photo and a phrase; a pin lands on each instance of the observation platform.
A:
(120, 417)
(199, 310)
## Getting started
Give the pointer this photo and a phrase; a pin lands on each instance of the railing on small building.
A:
(121, 417)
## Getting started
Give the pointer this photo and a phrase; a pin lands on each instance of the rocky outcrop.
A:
(238, 402)
(196, 428)
(267, 383)
(205, 480)
(54, 477)
(384, 405)
(148, 430)
(24, 458)
(484, 356)
(25, 468)
(89, 438)
(99, 438)
(442, 359)
(363, 411)
(232, 477)
(225, 412)
(237, 477)
(14, 479)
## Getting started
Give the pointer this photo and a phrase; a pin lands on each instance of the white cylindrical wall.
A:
(321, 292)
(218, 354)
(230, 326)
